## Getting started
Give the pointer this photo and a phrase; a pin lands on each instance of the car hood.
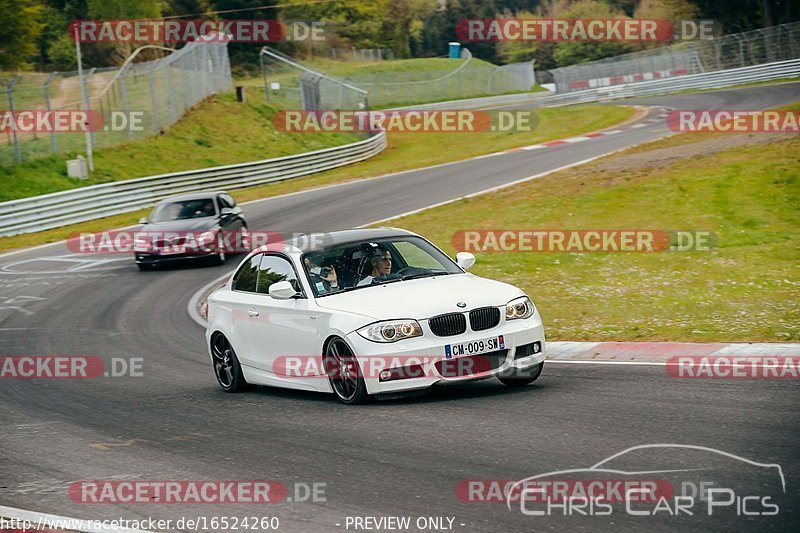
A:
(422, 298)
(189, 224)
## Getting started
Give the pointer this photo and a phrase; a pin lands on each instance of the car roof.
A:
(191, 196)
(313, 242)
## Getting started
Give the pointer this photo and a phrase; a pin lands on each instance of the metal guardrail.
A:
(708, 80)
(58, 209)
(482, 102)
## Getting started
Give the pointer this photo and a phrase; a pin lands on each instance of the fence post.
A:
(154, 121)
(264, 76)
(10, 93)
(52, 75)
(170, 95)
(124, 90)
(89, 103)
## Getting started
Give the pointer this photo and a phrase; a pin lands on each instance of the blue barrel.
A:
(455, 50)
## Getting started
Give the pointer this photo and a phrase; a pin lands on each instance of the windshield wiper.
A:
(429, 274)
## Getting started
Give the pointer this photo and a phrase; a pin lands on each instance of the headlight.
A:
(521, 307)
(391, 330)
(207, 236)
(142, 243)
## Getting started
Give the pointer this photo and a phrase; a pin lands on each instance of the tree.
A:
(21, 26)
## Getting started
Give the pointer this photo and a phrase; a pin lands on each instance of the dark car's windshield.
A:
(368, 263)
(203, 207)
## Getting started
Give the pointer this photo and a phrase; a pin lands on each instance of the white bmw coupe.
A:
(368, 313)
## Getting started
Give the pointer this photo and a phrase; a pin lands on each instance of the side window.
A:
(245, 279)
(274, 269)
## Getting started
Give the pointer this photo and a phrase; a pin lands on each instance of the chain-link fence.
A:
(135, 101)
(289, 84)
(767, 45)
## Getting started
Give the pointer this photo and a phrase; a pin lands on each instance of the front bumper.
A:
(147, 258)
(430, 348)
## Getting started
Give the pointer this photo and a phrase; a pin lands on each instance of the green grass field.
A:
(406, 151)
(747, 289)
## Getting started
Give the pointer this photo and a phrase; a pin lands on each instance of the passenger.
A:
(381, 265)
(329, 280)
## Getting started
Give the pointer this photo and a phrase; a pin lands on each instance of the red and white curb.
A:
(658, 353)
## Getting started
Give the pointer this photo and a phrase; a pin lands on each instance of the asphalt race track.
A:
(397, 458)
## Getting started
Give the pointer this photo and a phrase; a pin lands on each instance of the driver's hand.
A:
(331, 278)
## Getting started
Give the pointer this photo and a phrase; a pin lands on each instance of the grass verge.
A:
(406, 151)
(746, 189)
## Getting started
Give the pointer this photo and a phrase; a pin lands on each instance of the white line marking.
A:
(576, 139)
(611, 132)
(638, 125)
(534, 147)
(192, 306)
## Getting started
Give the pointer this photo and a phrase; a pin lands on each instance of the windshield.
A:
(182, 210)
(364, 264)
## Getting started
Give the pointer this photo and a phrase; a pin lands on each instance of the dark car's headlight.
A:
(521, 307)
(391, 330)
(142, 244)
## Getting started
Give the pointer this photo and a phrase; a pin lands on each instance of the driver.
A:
(381, 265)
(207, 211)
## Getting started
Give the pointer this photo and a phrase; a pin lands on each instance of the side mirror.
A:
(465, 260)
(143, 220)
(226, 212)
(282, 290)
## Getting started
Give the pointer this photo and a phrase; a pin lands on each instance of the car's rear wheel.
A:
(519, 378)
(226, 365)
(344, 373)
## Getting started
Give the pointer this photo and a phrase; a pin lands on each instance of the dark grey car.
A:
(205, 225)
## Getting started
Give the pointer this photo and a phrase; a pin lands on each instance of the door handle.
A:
(252, 312)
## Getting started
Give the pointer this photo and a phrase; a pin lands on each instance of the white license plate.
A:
(171, 250)
(474, 347)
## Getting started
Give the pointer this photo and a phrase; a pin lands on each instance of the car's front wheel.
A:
(520, 378)
(226, 365)
(219, 257)
(344, 373)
